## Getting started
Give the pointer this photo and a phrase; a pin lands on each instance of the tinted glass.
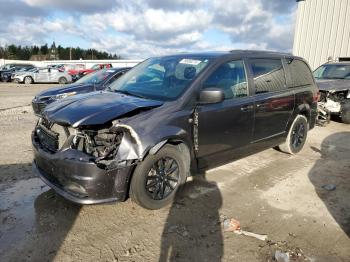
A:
(113, 78)
(164, 78)
(300, 73)
(95, 67)
(95, 77)
(333, 72)
(231, 78)
(268, 75)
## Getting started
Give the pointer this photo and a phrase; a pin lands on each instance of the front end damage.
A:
(331, 102)
(86, 165)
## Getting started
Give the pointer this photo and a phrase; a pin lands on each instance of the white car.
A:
(43, 75)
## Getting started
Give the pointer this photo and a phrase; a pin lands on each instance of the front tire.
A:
(157, 179)
(28, 80)
(345, 113)
(296, 136)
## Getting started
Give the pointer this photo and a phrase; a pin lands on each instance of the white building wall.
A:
(322, 30)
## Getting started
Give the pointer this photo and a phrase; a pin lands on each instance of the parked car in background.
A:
(98, 80)
(77, 71)
(43, 75)
(333, 80)
(169, 115)
(95, 68)
(7, 70)
(21, 70)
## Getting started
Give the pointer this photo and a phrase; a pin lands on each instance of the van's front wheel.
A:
(157, 179)
(296, 136)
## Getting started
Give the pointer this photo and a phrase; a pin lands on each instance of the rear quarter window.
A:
(268, 75)
(300, 73)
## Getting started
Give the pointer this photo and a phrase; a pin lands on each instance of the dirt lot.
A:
(269, 193)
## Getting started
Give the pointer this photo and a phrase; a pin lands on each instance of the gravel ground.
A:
(270, 193)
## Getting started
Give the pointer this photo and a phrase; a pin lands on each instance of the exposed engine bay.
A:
(331, 102)
(102, 144)
(108, 146)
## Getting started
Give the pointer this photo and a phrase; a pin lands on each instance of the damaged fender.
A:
(130, 147)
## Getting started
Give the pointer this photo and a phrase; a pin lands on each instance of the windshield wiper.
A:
(125, 92)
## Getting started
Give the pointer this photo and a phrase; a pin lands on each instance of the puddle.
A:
(17, 212)
(34, 220)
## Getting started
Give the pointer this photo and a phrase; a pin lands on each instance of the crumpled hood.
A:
(95, 108)
(333, 85)
(65, 89)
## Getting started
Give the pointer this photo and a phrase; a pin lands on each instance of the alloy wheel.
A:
(163, 178)
(298, 135)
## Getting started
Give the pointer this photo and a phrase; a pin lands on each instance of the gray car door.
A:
(54, 75)
(42, 75)
(225, 128)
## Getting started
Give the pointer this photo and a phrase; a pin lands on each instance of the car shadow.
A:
(34, 220)
(331, 177)
(192, 231)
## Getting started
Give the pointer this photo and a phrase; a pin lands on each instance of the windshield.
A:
(332, 72)
(24, 69)
(96, 77)
(7, 67)
(164, 78)
(95, 67)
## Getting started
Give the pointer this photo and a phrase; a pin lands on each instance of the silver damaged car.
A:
(43, 75)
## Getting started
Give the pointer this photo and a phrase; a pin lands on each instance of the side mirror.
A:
(211, 96)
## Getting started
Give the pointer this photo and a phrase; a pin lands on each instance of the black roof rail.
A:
(260, 52)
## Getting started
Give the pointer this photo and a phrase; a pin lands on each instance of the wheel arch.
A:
(176, 141)
(31, 77)
(302, 109)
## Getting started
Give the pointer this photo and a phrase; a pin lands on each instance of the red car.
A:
(94, 68)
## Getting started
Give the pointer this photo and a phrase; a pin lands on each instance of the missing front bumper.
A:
(74, 176)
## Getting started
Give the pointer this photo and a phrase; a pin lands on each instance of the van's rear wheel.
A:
(157, 179)
(296, 136)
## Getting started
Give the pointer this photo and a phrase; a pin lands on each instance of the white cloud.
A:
(256, 22)
(157, 24)
(142, 28)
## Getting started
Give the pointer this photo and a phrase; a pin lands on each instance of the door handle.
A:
(246, 108)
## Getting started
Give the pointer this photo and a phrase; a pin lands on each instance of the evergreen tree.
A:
(26, 52)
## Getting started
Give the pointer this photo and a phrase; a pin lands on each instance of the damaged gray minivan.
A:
(171, 116)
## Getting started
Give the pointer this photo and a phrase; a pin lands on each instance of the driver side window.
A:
(45, 70)
(231, 78)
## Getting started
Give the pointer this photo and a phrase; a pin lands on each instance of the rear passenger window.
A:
(300, 73)
(268, 75)
(231, 78)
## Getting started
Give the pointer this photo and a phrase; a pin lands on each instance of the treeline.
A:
(45, 52)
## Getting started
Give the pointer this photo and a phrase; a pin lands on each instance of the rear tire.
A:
(151, 185)
(62, 80)
(28, 80)
(296, 136)
(345, 113)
